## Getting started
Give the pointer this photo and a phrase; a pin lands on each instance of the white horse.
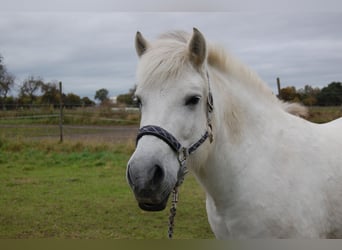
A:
(266, 173)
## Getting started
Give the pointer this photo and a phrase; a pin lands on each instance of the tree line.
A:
(33, 91)
(330, 95)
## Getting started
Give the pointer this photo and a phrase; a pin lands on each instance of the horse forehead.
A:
(165, 83)
(160, 91)
(158, 65)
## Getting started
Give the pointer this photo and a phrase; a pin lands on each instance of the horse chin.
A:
(154, 207)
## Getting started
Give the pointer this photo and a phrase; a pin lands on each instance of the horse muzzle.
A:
(151, 187)
(151, 183)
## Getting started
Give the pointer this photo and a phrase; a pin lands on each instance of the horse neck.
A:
(242, 108)
(241, 118)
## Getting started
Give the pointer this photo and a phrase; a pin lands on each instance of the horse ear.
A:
(140, 44)
(197, 48)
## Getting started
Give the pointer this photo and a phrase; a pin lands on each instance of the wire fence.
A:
(102, 124)
(99, 123)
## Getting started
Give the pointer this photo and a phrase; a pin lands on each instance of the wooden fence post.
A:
(60, 113)
(279, 89)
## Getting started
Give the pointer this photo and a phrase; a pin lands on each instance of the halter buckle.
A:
(183, 170)
(183, 156)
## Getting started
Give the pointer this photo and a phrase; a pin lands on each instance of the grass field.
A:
(324, 114)
(75, 190)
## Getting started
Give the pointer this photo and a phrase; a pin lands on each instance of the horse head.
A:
(175, 101)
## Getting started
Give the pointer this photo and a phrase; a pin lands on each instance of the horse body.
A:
(271, 174)
(267, 173)
(279, 179)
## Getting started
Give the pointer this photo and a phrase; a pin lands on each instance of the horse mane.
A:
(219, 58)
(223, 61)
(295, 109)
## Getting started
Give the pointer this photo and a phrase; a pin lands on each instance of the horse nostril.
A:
(158, 175)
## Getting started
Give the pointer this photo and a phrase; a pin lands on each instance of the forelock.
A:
(166, 57)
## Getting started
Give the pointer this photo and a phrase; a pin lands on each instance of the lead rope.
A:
(182, 157)
(173, 211)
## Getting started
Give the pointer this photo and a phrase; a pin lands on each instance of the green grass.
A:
(324, 114)
(78, 190)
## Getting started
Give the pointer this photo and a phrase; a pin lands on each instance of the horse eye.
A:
(137, 101)
(193, 100)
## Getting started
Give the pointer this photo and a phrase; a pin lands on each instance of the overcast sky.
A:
(91, 50)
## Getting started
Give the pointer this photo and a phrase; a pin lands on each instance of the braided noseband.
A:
(181, 151)
(167, 137)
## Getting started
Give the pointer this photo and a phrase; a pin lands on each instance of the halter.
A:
(182, 152)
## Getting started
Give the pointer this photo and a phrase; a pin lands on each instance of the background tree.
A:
(29, 88)
(128, 99)
(331, 95)
(71, 100)
(50, 94)
(308, 95)
(288, 93)
(102, 95)
(6, 82)
(87, 102)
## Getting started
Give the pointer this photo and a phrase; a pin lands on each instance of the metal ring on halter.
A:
(183, 155)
